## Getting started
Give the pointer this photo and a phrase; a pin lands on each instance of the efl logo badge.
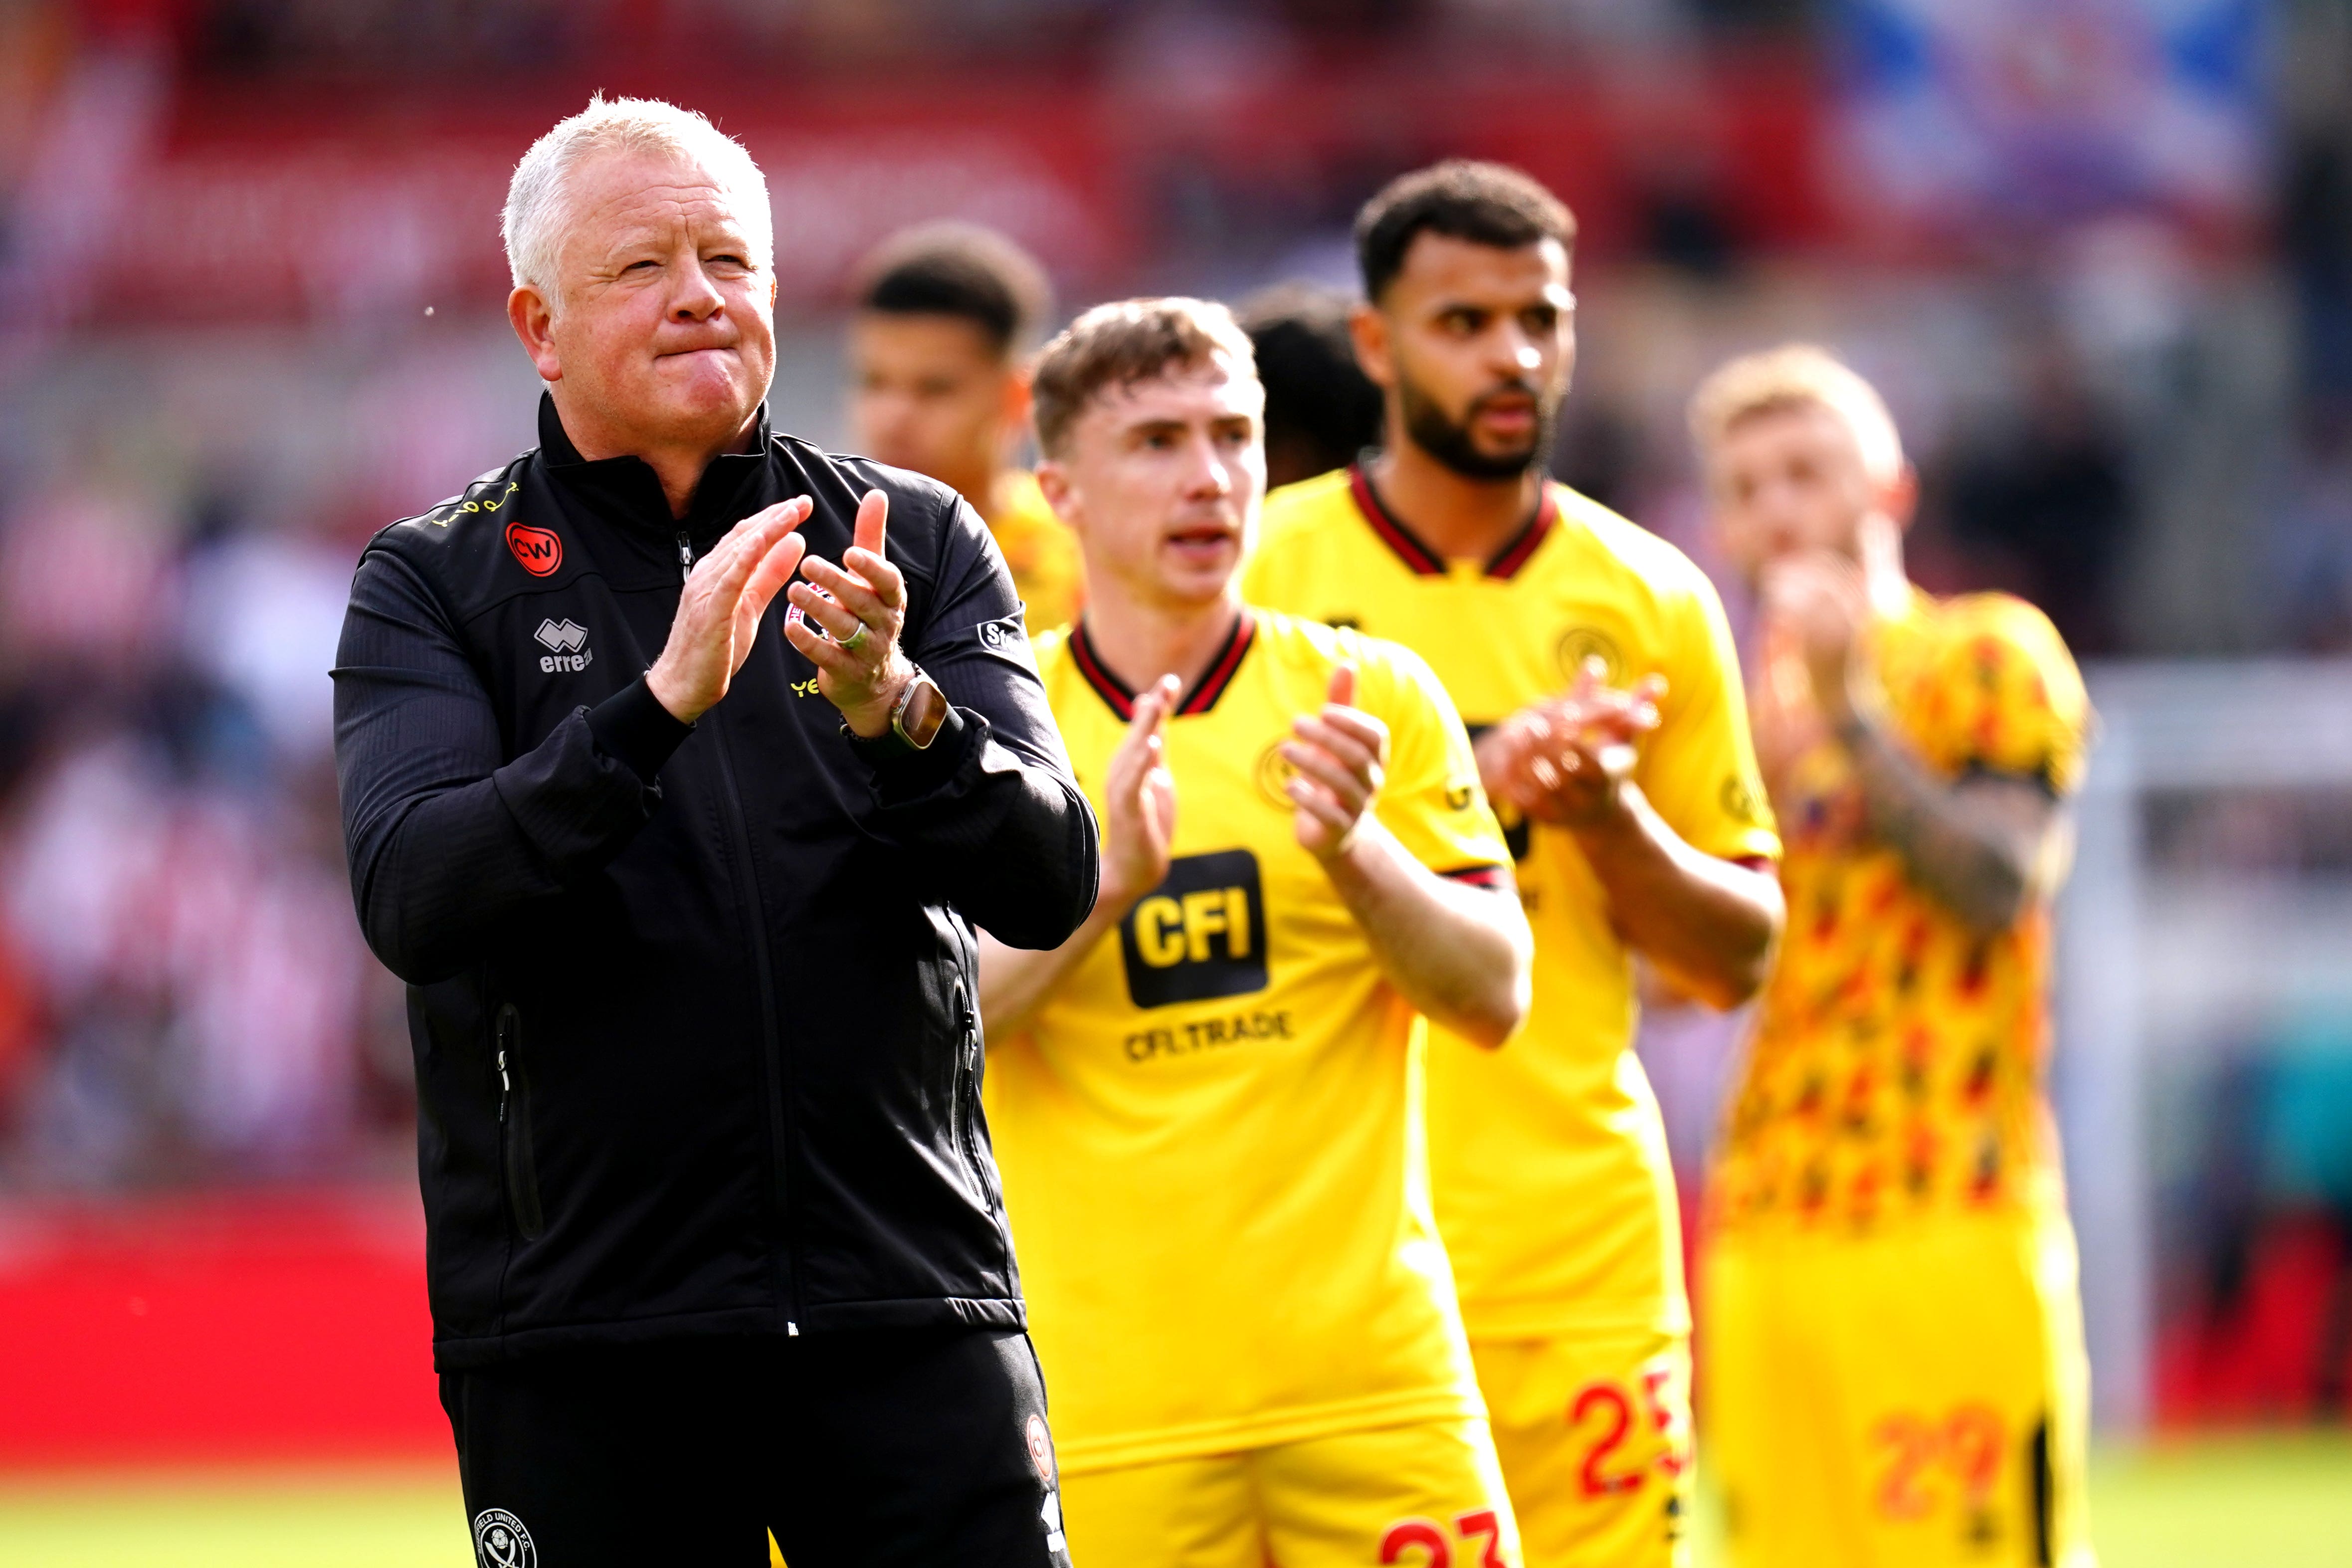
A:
(1198, 934)
(566, 642)
(501, 1542)
(540, 550)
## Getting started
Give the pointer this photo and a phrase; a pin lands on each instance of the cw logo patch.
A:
(539, 551)
(1200, 933)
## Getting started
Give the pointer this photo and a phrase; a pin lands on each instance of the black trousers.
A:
(883, 1447)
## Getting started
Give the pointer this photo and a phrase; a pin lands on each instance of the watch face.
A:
(925, 711)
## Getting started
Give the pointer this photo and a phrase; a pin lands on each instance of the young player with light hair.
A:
(1594, 663)
(1894, 1375)
(1205, 1102)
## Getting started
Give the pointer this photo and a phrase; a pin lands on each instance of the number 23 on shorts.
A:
(1423, 1542)
(1606, 1408)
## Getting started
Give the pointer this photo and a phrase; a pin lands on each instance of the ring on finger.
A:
(850, 643)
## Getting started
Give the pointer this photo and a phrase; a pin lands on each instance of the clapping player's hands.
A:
(1822, 601)
(851, 618)
(1563, 760)
(718, 612)
(1140, 798)
(1342, 755)
(1818, 602)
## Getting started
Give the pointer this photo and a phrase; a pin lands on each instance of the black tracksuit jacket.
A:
(695, 1013)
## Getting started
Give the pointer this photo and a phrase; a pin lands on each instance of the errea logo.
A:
(566, 642)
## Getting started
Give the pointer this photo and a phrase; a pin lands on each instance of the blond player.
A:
(1595, 659)
(945, 315)
(1894, 1371)
(1204, 1104)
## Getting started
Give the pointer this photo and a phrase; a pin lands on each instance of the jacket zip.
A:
(772, 1063)
(515, 1149)
(970, 1051)
(965, 1112)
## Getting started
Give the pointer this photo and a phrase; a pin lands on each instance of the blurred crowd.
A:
(2132, 405)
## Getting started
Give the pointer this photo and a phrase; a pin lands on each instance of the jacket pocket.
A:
(965, 1112)
(514, 1128)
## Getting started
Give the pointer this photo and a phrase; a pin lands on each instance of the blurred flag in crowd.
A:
(2050, 110)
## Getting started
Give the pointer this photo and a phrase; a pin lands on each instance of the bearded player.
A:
(1895, 1364)
(1203, 1104)
(1593, 661)
(945, 315)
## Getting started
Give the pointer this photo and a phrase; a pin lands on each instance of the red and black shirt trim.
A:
(1423, 561)
(1205, 691)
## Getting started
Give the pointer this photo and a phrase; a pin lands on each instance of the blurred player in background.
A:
(945, 315)
(1203, 1102)
(1321, 410)
(1895, 1372)
(1594, 663)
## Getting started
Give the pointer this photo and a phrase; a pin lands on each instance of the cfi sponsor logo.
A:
(501, 1542)
(540, 550)
(566, 642)
(1200, 933)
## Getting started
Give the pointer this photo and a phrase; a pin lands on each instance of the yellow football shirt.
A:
(1208, 1135)
(1896, 1067)
(1048, 572)
(1548, 1159)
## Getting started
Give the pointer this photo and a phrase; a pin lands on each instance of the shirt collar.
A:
(1424, 562)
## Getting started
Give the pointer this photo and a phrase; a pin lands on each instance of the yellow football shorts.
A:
(1904, 1400)
(1425, 1495)
(1594, 1433)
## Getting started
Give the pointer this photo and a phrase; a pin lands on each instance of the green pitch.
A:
(2284, 1501)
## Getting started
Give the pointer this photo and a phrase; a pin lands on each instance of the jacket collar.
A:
(626, 490)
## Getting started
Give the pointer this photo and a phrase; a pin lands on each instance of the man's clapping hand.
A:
(1139, 797)
(851, 615)
(1342, 757)
(718, 611)
(1564, 760)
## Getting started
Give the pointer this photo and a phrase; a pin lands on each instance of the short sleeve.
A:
(2008, 695)
(1699, 769)
(1431, 800)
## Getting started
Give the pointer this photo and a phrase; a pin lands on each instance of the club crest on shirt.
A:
(1041, 1448)
(501, 1542)
(1274, 774)
(1580, 643)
